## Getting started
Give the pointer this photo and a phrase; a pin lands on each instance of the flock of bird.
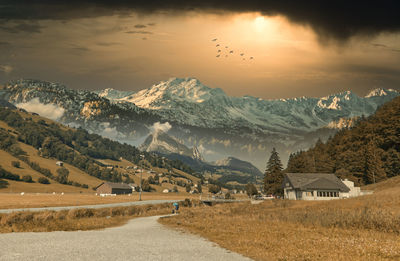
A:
(228, 52)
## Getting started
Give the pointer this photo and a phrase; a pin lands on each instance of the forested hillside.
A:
(367, 153)
(74, 146)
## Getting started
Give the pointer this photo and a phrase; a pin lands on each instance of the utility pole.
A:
(141, 176)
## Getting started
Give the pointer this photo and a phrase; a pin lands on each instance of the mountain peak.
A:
(196, 154)
(113, 94)
(174, 89)
(380, 92)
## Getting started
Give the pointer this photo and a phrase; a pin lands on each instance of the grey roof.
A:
(116, 185)
(311, 181)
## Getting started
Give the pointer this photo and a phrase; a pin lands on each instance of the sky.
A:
(299, 48)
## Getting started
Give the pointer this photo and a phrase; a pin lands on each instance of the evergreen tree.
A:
(374, 170)
(273, 175)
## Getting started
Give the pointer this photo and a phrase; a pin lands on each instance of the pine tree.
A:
(273, 175)
(374, 170)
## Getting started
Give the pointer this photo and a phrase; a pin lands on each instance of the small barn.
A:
(313, 186)
(114, 188)
(60, 163)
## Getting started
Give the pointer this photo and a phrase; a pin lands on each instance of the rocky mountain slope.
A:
(221, 126)
(161, 143)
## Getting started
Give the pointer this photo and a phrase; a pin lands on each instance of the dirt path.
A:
(139, 239)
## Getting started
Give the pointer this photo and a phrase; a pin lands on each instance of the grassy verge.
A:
(365, 228)
(80, 219)
(33, 200)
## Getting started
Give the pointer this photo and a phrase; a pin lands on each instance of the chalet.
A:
(60, 163)
(113, 188)
(314, 186)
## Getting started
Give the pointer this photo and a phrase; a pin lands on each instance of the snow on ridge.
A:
(380, 92)
(334, 105)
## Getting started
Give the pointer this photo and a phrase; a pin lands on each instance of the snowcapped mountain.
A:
(161, 142)
(80, 108)
(219, 125)
(113, 94)
(187, 101)
(196, 155)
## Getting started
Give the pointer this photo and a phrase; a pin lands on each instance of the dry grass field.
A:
(75, 174)
(32, 200)
(364, 228)
(78, 219)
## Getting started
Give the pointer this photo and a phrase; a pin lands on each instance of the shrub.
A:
(62, 176)
(251, 189)
(27, 178)
(188, 187)
(214, 188)
(8, 175)
(43, 180)
(15, 164)
(3, 183)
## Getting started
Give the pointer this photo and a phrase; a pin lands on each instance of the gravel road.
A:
(139, 239)
(111, 205)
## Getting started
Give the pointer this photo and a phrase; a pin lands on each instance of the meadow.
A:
(363, 228)
(82, 219)
(33, 200)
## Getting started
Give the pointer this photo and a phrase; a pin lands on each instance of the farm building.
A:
(113, 188)
(60, 163)
(317, 186)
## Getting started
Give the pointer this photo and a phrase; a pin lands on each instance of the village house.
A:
(317, 186)
(60, 163)
(113, 188)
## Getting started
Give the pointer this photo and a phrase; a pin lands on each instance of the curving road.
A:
(111, 205)
(139, 239)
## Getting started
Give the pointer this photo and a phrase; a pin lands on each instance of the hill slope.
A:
(243, 127)
(37, 143)
(367, 153)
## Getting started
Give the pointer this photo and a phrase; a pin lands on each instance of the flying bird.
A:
(241, 54)
(217, 56)
(231, 52)
(218, 51)
(251, 58)
(215, 39)
(217, 45)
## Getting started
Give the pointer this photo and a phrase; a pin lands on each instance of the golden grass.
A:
(364, 228)
(32, 200)
(75, 174)
(20, 186)
(81, 219)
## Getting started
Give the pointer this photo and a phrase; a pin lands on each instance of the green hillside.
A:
(37, 143)
(367, 153)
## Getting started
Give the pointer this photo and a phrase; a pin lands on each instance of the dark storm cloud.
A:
(340, 19)
(22, 28)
